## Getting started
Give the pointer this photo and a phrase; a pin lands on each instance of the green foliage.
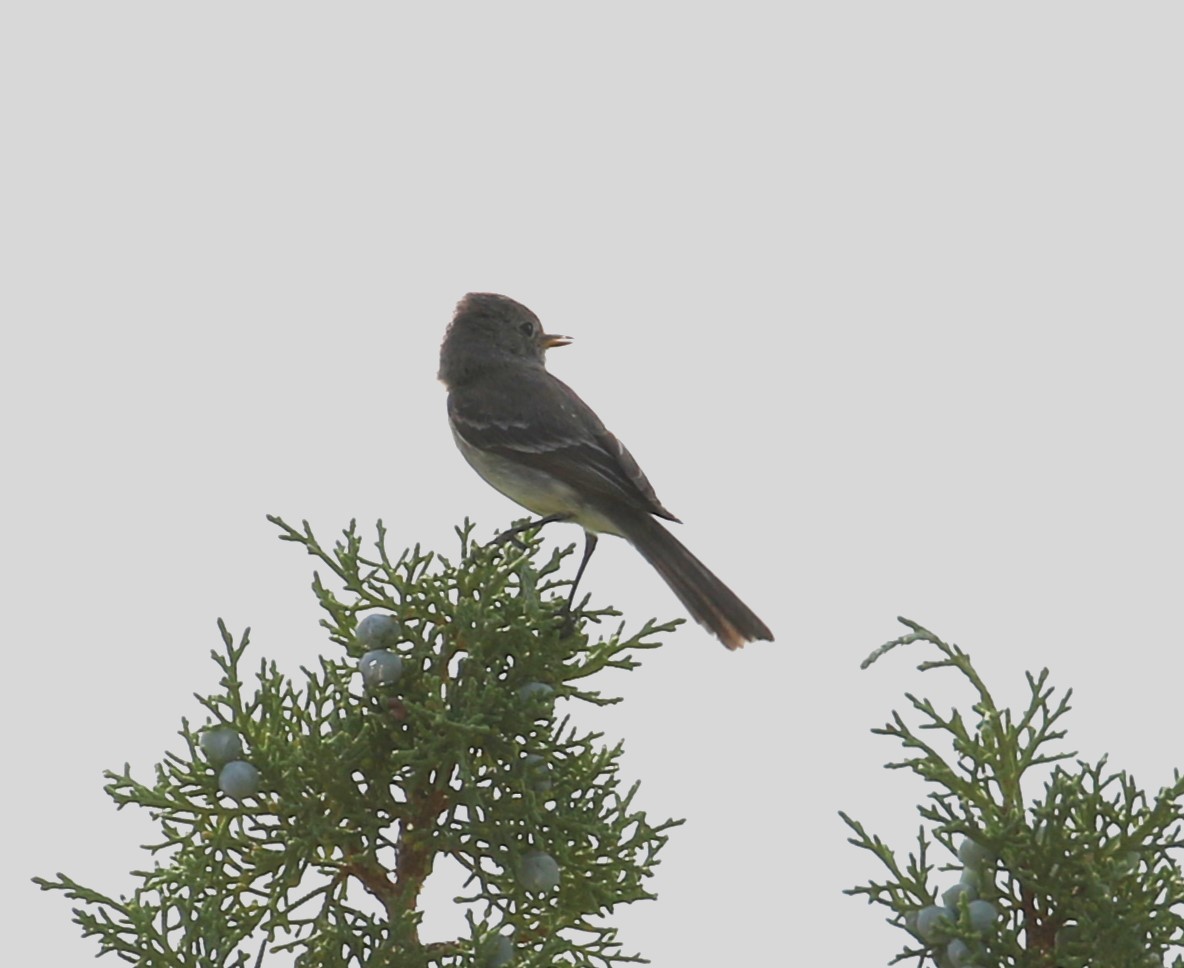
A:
(1086, 874)
(365, 789)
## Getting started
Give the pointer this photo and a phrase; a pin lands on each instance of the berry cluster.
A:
(956, 929)
(223, 747)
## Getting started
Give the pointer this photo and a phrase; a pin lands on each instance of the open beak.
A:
(549, 340)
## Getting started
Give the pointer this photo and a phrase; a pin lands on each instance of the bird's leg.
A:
(589, 547)
(511, 534)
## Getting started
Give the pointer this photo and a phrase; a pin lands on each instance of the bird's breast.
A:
(533, 488)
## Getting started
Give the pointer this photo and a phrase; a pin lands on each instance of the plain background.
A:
(885, 298)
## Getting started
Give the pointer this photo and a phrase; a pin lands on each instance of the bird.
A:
(533, 439)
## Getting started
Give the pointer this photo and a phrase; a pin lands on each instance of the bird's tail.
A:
(710, 602)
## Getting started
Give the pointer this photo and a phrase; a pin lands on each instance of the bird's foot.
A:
(508, 536)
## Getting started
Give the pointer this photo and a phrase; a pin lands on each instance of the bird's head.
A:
(489, 330)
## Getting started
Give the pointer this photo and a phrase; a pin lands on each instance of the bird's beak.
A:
(549, 340)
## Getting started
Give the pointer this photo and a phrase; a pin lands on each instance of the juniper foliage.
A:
(1087, 873)
(364, 790)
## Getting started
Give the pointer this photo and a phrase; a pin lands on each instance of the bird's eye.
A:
(526, 328)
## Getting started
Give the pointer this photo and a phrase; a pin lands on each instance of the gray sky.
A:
(884, 298)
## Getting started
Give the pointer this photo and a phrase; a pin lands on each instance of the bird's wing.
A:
(540, 422)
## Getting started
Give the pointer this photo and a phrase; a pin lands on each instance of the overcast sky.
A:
(885, 298)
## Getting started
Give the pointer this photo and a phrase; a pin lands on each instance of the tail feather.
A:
(710, 602)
